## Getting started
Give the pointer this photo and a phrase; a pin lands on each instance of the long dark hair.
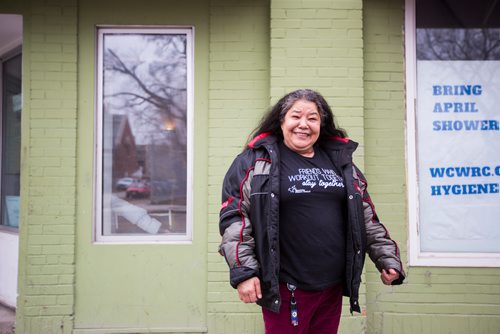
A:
(271, 122)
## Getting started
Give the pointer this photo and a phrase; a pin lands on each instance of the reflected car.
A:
(123, 183)
(138, 189)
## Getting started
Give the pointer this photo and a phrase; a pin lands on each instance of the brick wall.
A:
(47, 242)
(315, 44)
(238, 96)
(319, 45)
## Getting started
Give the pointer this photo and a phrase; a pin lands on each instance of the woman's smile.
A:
(301, 127)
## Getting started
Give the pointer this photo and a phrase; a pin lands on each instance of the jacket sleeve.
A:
(235, 226)
(383, 251)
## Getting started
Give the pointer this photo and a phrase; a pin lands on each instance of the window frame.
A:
(97, 230)
(415, 256)
(6, 55)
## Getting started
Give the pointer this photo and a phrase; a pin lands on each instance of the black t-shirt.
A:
(312, 220)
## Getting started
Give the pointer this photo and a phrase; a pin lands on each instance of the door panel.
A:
(129, 286)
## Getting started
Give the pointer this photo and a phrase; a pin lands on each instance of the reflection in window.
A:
(458, 44)
(144, 113)
(10, 140)
(458, 30)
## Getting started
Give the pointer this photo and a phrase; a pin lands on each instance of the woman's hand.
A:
(249, 290)
(387, 276)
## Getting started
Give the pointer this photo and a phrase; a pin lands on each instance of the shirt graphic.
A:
(307, 179)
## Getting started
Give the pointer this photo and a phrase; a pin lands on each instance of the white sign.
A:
(458, 140)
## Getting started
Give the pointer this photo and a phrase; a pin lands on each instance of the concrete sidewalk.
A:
(7, 320)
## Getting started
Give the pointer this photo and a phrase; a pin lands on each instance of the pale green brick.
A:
(318, 23)
(49, 290)
(299, 14)
(286, 24)
(67, 299)
(287, 4)
(42, 279)
(40, 300)
(45, 161)
(43, 84)
(66, 279)
(35, 229)
(61, 114)
(36, 259)
(48, 324)
(301, 52)
(325, 13)
(56, 310)
(60, 76)
(345, 4)
(46, 47)
(58, 249)
(50, 240)
(35, 250)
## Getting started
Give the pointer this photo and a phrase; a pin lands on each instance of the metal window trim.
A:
(415, 256)
(97, 230)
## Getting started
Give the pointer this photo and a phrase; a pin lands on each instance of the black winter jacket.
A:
(249, 220)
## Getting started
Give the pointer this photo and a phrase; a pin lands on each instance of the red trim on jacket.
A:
(345, 140)
(227, 202)
(251, 144)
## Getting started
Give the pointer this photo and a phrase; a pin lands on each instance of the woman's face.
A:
(301, 127)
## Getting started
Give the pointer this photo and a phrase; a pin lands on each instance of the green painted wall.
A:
(141, 287)
(248, 54)
(319, 45)
(314, 44)
(238, 96)
(48, 197)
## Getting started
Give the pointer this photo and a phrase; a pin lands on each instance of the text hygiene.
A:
(465, 189)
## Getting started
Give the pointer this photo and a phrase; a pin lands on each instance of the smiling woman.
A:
(293, 220)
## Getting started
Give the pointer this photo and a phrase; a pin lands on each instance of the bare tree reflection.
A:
(145, 94)
(149, 81)
(458, 44)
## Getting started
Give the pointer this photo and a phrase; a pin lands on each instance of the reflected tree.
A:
(148, 80)
(458, 44)
(145, 80)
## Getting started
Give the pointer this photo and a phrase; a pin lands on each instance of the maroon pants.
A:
(318, 312)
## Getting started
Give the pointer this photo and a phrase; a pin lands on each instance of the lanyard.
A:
(294, 317)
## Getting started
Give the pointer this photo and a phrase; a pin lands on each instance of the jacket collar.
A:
(340, 150)
(339, 143)
(262, 139)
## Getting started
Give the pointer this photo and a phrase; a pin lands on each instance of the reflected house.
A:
(167, 168)
(126, 160)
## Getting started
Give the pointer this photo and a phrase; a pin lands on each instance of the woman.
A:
(296, 220)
